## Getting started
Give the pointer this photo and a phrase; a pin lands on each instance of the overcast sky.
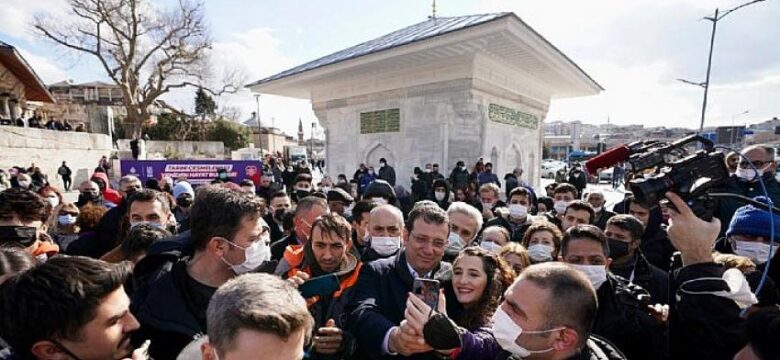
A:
(634, 49)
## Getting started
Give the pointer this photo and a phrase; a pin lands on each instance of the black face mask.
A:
(130, 193)
(23, 235)
(618, 249)
(279, 214)
(89, 197)
(300, 194)
(184, 201)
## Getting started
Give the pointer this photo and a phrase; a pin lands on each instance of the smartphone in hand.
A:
(319, 286)
(427, 290)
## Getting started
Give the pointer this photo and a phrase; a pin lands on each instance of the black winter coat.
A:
(459, 179)
(647, 276)
(387, 173)
(516, 234)
(596, 348)
(276, 233)
(167, 313)
(702, 325)
(623, 319)
(380, 301)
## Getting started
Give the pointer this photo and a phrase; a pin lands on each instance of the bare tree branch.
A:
(145, 50)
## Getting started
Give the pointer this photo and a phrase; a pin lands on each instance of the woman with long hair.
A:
(51, 194)
(479, 279)
(87, 222)
(62, 225)
(516, 256)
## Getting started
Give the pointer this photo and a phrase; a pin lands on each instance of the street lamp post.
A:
(706, 84)
(734, 117)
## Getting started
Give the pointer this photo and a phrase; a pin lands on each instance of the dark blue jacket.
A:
(380, 301)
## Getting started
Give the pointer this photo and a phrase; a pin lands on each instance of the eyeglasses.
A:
(437, 243)
(757, 163)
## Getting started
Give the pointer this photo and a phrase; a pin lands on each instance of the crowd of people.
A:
(360, 268)
(37, 122)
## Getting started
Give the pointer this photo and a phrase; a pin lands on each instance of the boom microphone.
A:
(608, 159)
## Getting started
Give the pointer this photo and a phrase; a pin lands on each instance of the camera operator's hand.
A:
(689, 234)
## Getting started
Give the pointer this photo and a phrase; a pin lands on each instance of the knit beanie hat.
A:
(181, 188)
(750, 220)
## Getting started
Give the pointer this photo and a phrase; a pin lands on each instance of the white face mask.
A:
(517, 211)
(439, 195)
(560, 206)
(487, 206)
(53, 200)
(749, 174)
(254, 256)
(348, 210)
(325, 189)
(506, 332)
(540, 252)
(385, 245)
(597, 274)
(24, 183)
(756, 251)
(490, 246)
(454, 243)
(379, 201)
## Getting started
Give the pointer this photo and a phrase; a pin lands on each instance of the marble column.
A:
(5, 111)
(14, 105)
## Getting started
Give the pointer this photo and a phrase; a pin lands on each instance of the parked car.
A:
(550, 167)
(606, 175)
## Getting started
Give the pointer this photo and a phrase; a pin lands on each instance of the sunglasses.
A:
(747, 164)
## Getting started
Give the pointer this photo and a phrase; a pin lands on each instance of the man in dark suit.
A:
(384, 285)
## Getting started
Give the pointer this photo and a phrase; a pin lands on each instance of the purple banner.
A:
(197, 172)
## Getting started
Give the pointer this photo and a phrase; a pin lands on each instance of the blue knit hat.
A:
(750, 220)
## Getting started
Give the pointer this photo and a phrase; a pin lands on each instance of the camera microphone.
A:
(608, 159)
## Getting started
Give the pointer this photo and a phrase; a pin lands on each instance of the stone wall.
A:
(48, 148)
(184, 149)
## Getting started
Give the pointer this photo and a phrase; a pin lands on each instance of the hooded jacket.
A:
(380, 188)
(444, 203)
(108, 193)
